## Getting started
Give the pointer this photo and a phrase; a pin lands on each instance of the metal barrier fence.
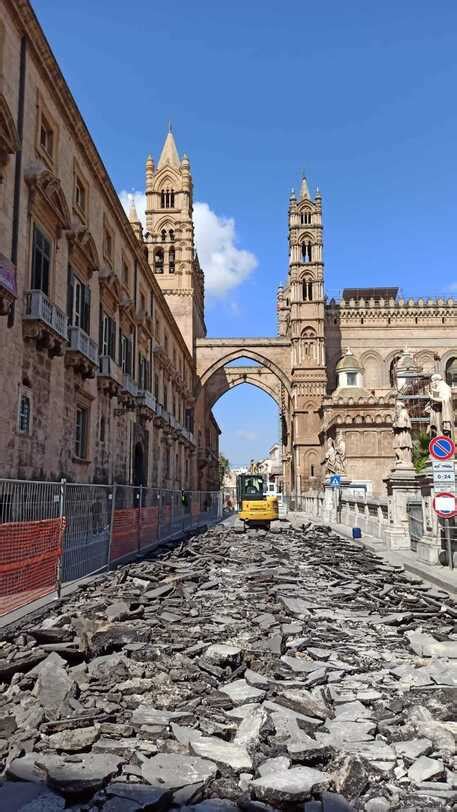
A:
(55, 532)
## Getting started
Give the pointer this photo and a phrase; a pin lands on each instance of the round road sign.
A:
(441, 448)
(445, 505)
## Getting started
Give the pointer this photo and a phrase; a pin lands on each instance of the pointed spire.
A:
(133, 214)
(292, 194)
(304, 191)
(169, 154)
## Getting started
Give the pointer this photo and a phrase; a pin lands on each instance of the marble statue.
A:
(402, 443)
(441, 413)
(330, 460)
(340, 453)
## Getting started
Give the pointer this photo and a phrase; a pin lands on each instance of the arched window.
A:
(172, 199)
(158, 261)
(162, 199)
(306, 251)
(307, 291)
(163, 234)
(171, 260)
(172, 235)
(392, 372)
(306, 218)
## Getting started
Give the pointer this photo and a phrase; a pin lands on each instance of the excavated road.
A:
(254, 672)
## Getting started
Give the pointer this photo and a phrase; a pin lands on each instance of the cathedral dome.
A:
(349, 363)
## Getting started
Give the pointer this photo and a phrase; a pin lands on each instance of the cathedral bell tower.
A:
(302, 318)
(169, 238)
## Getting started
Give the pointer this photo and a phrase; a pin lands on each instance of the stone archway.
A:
(271, 373)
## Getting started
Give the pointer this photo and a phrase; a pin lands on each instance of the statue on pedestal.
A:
(340, 453)
(402, 443)
(330, 460)
(441, 413)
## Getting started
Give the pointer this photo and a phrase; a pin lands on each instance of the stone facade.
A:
(98, 370)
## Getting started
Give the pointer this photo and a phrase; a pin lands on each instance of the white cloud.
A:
(225, 265)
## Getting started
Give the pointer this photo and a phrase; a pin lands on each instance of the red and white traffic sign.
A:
(445, 504)
(441, 448)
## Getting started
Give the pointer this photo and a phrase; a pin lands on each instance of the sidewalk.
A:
(439, 576)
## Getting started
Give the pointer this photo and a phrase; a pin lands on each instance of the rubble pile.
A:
(253, 672)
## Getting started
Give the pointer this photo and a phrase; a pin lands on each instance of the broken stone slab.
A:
(184, 735)
(119, 610)
(73, 741)
(304, 702)
(173, 770)
(302, 665)
(124, 746)
(425, 768)
(307, 723)
(227, 753)
(378, 804)
(426, 646)
(351, 731)
(242, 711)
(257, 680)
(375, 750)
(250, 727)
(145, 715)
(350, 774)
(413, 748)
(84, 773)
(293, 785)
(21, 795)
(352, 712)
(296, 606)
(224, 654)
(136, 685)
(213, 805)
(273, 765)
(304, 748)
(240, 692)
(145, 796)
(54, 685)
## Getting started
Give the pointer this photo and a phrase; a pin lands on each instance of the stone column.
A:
(401, 484)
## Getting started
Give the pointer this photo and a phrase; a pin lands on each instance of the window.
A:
(165, 395)
(102, 429)
(41, 261)
(125, 354)
(306, 251)
(24, 414)
(451, 372)
(82, 424)
(163, 234)
(172, 235)
(158, 261)
(306, 218)
(312, 470)
(46, 136)
(142, 303)
(78, 303)
(307, 291)
(144, 373)
(107, 244)
(156, 386)
(107, 337)
(167, 199)
(171, 260)
(351, 378)
(80, 195)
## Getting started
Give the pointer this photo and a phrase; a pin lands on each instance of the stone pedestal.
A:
(331, 505)
(429, 546)
(401, 484)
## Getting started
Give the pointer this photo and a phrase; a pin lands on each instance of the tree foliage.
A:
(420, 451)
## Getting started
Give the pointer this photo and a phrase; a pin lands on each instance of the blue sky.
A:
(360, 94)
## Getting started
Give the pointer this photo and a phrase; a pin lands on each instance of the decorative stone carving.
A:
(402, 444)
(330, 460)
(340, 453)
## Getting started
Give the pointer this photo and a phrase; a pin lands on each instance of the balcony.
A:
(109, 376)
(146, 404)
(127, 395)
(44, 323)
(82, 354)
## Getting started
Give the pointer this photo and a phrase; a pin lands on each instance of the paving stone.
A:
(424, 768)
(240, 692)
(222, 752)
(293, 785)
(173, 771)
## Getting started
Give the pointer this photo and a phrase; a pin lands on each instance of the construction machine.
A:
(256, 508)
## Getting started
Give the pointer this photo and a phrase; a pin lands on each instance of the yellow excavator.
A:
(256, 509)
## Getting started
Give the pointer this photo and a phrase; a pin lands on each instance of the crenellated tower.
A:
(169, 238)
(301, 317)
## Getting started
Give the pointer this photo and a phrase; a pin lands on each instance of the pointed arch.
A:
(253, 355)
